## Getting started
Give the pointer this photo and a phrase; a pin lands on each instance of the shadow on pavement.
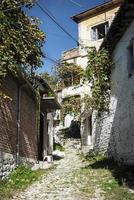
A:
(122, 174)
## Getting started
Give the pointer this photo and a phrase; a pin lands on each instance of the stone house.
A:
(23, 121)
(114, 132)
(93, 25)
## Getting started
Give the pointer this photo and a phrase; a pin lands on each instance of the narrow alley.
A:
(76, 177)
(67, 100)
(64, 182)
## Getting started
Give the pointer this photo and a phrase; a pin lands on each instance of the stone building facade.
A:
(93, 25)
(114, 133)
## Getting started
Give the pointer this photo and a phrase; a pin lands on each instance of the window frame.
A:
(94, 31)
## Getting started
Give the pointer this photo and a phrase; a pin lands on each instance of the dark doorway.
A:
(41, 138)
(73, 131)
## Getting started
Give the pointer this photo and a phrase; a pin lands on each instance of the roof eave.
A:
(49, 104)
(96, 10)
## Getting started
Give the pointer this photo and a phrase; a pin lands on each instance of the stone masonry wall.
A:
(114, 134)
(7, 164)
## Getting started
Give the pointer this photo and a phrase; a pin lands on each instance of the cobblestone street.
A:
(58, 184)
(79, 178)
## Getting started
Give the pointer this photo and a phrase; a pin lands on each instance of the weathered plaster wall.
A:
(84, 35)
(80, 89)
(84, 27)
(115, 133)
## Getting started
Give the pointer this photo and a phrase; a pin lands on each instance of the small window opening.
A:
(99, 31)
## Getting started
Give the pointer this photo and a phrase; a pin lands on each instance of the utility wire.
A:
(50, 13)
(58, 24)
(52, 60)
(59, 64)
(76, 3)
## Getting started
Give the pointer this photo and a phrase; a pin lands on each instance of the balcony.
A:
(70, 54)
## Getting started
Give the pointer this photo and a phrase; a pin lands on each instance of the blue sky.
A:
(56, 40)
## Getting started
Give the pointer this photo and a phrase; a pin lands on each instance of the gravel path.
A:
(58, 184)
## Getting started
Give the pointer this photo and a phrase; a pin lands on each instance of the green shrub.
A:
(20, 178)
(58, 146)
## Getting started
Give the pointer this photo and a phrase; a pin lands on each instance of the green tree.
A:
(20, 38)
(69, 73)
(51, 79)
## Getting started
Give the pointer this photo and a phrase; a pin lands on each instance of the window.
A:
(99, 31)
(131, 58)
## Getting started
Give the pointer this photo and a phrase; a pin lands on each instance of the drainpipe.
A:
(18, 122)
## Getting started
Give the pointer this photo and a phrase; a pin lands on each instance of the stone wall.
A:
(114, 133)
(101, 129)
(7, 164)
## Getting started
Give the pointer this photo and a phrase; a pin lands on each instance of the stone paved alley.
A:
(62, 183)
(76, 178)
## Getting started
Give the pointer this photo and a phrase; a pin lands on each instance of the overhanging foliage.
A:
(69, 74)
(71, 105)
(98, 74)
(20, 38)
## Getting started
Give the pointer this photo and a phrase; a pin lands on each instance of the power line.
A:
(50, 15)
(60, 64)
(49, 11)
(52, 60)
(58, 24)
(76, 3)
